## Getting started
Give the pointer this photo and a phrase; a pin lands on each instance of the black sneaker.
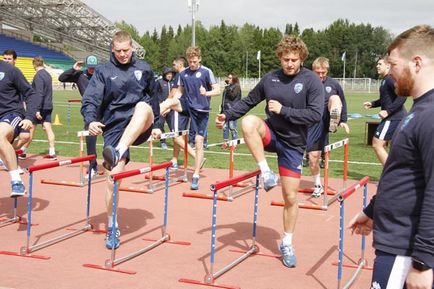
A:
(111, 157)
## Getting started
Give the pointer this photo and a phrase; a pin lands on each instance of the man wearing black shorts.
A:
(13, 118)
(391, 113)
(119, 104)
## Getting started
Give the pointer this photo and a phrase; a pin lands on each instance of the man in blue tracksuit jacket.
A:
(295, 101)
(13, 118)
(401, 214)
(391, 113)
(119, 104)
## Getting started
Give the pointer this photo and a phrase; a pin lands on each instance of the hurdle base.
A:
(112, 269)
(207, 196)
(27, 255)
(256, 253)
(62, 183)
(184, 243)
(16, 220)
(310, 191)
(197, 282)
(301, 205)
(95, 231)
(136, 190)
(354, 266)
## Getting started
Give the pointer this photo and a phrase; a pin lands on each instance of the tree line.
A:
(229, 48)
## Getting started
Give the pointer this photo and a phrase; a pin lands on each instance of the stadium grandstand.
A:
(61, 31)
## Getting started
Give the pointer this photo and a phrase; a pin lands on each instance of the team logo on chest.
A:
(406, 120)
(198, 74)
(298, 87)
(138, 74)
(2, 75)
(328, 89)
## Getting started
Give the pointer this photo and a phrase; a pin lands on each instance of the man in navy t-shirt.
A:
(401, 214)
(295, 101)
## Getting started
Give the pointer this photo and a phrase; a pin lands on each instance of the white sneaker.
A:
(93, 174)
(317, 191)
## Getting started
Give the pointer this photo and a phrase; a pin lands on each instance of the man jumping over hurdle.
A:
(334, 115)
(295, 100)
(120, 95)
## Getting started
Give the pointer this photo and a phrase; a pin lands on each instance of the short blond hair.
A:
(321, 62)
(122, 36)
(38, 61)
(291, 43)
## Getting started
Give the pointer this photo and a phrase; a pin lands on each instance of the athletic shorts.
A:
(13, 119)
(177, 121)
(112, 138)
(390, 271)
(199, 122)
(46, 116)
(386, 128)
(317, 137)
(289, 159)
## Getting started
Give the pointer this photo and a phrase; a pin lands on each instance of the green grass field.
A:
(68, 142)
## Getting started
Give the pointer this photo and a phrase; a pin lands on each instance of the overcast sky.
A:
(147, 15)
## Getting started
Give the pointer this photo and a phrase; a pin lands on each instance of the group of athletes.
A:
(302, 107)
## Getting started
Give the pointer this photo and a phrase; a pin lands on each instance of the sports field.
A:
(362, 160)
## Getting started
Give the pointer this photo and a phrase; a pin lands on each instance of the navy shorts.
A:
(289, 158)
(112, 138)
(13, 119)
(177, 121)
(390, 271)
(386, 129)
(46, 116)
(199, 122)
(317, 137)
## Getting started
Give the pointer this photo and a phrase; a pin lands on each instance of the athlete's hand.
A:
(361, 224)
(345, 126)
(202, 90)
(38, 115)
(77, 65)
(419, 279)
(156, 133)
(383, 114)
(367, 105)
(274, 106)
(220, 120)
(26, 124)
(95, 128)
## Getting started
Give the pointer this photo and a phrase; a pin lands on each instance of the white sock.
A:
(317, 179)
(263, 166)
(195, 176)
(121, 148)
(110, 221)
(15, 175)
(287, 238)
(51, 151)
(24, 149)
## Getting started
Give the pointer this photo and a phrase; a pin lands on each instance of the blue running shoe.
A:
(174, 166)
(111, 157)
(270, 180)
(109, 241)
(288, 255)
(194, 183)
(18, 189)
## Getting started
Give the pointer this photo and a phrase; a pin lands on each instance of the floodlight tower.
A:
(193, 6)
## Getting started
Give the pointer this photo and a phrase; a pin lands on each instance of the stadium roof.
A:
(70, 24)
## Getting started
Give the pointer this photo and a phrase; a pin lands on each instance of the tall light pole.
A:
(193, 5)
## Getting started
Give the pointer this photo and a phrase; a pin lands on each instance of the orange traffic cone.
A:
(57, 120)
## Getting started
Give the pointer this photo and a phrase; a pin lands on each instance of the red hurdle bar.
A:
(110, 264)
(25, 251)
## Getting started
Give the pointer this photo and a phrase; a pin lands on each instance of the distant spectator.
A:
(231, 95)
